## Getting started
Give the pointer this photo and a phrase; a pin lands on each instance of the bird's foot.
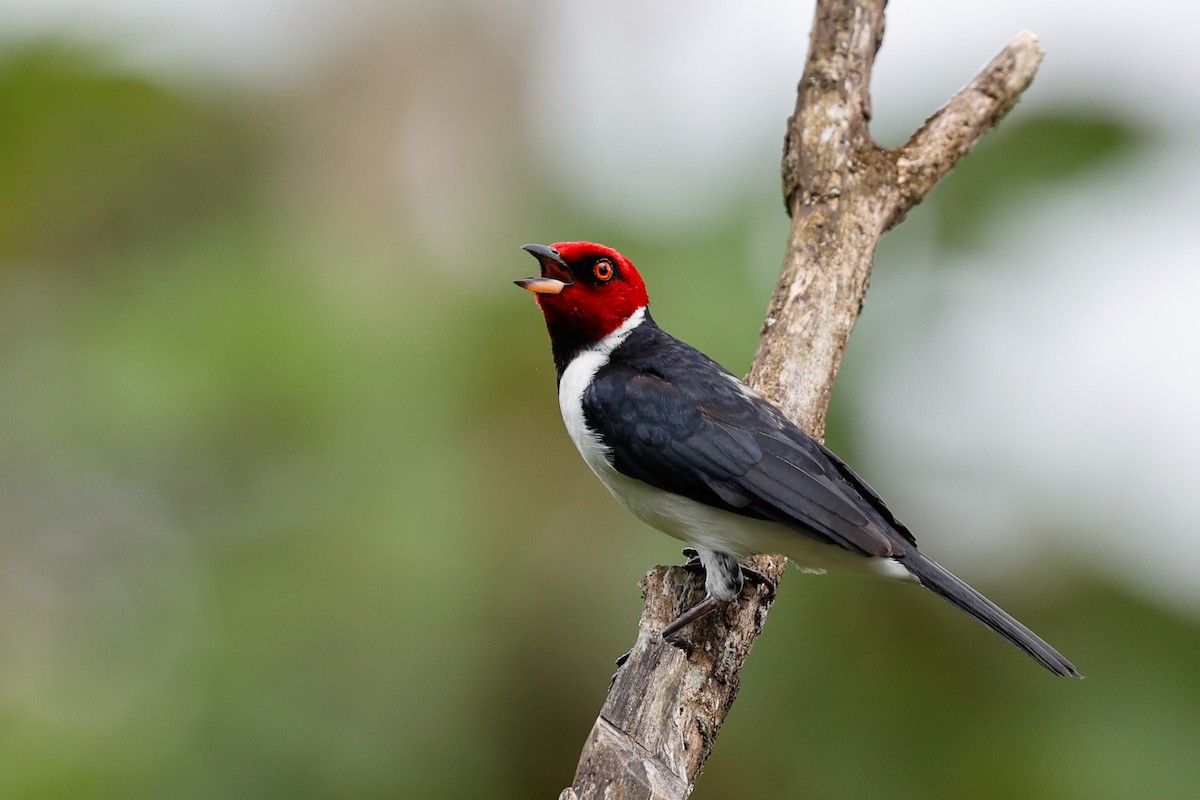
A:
(756, 577)
(695, 566)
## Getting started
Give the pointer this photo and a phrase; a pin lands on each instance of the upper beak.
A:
(555, 276)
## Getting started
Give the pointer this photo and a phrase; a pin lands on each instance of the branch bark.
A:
(667, 703)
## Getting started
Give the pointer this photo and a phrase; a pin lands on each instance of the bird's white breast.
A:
(574, 382)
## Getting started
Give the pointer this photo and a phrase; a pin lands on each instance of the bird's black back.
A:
(672, 417)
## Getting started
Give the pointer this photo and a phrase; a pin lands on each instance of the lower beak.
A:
(541, 285)
(555, 276)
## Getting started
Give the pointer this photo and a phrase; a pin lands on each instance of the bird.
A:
(691, 450)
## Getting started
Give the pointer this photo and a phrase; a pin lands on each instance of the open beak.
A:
(555, 274)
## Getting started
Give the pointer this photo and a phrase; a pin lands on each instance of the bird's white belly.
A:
(710, 528)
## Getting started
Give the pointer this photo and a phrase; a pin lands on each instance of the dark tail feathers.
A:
(937, 578)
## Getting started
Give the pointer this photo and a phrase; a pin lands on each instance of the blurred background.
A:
(287, 506)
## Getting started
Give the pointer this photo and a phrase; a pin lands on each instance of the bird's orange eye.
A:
(603, 270)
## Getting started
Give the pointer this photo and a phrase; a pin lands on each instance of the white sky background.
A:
(1085, 337)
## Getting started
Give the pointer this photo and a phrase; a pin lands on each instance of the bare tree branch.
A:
(667, 702)
(953, 130)
(832, 174)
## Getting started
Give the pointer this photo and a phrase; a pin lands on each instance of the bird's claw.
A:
(756, 577)
(680, 642)
(694, 565)
(621, 660)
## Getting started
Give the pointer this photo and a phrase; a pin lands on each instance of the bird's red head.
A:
(586, 291)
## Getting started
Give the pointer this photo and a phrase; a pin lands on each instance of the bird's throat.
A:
(572, 332)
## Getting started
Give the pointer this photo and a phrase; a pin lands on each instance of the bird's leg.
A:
(723, 581)
(705, 606)
(694, 566)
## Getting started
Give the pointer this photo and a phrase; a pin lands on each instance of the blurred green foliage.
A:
(288, 512)
(93, 159)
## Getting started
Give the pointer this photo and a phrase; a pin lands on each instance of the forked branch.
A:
(667, 703)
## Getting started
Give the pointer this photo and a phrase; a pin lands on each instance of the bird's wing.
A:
(736, 451)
